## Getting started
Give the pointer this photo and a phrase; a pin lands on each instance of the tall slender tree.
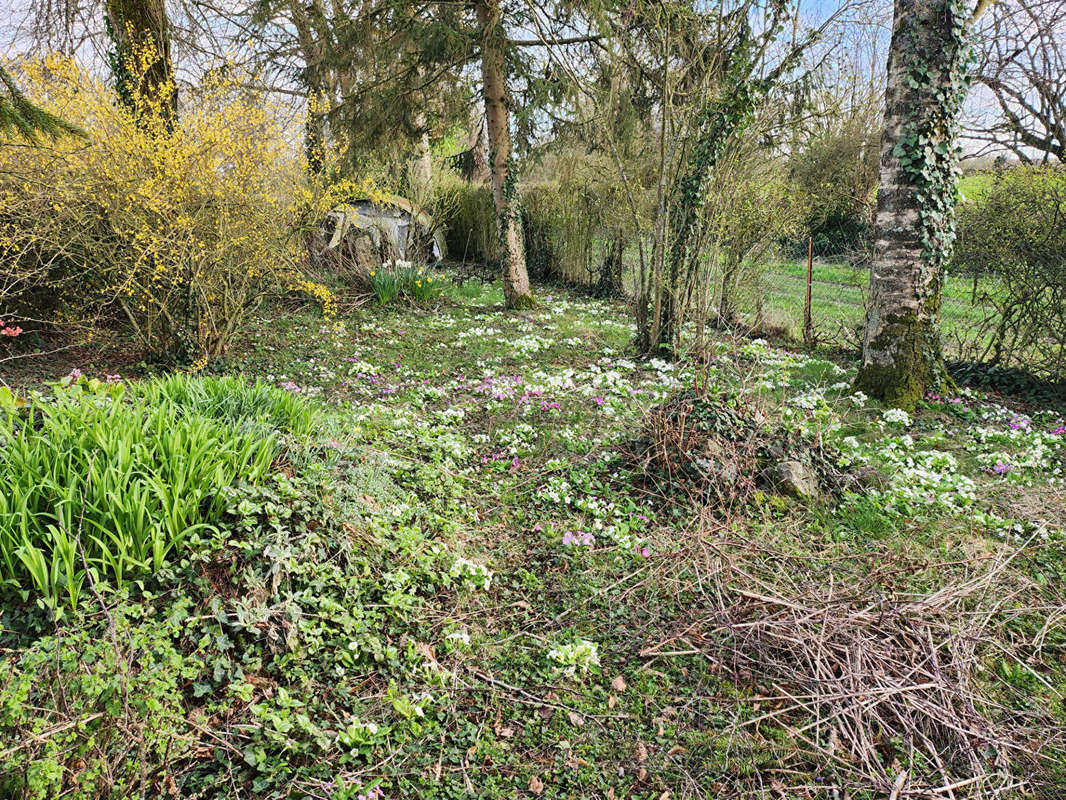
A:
(928, 76)
(493, 39)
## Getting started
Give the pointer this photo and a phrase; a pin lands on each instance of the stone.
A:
(796, 479)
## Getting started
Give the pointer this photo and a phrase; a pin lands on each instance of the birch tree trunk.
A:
(516, 290)
(928, 63)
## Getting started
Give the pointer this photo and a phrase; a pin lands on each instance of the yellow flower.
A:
(371, 273)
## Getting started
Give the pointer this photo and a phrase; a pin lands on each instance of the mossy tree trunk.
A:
(141, 64)
(928, 63)
(516, 289)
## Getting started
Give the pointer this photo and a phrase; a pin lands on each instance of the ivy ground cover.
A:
(453, 581)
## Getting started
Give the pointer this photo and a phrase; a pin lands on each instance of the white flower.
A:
(574, 657)
(461, 637)
(897, 416)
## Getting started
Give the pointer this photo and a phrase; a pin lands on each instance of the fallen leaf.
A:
(642, 774)
(619, 684)
(673, 751)
(546, 712)
(612, 701)
(536, 785)
(641, 754)
(575, 719)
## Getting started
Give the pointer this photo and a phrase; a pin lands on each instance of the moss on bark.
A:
(521, 302)
(915, 366)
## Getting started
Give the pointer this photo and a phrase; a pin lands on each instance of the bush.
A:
(751, 210)
(102, 482)
(469, 217)
(1013, 242)
(577, 222)
(178, 232)
(836, 171)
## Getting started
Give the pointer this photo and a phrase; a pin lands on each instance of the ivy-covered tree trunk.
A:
(516, 290)
(928, 67)
(140, 62)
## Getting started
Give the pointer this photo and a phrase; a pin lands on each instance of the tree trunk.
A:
(420, 165)
(926, 83)
(516, 290)
(477, 168)
(311, 49)
(137, 27)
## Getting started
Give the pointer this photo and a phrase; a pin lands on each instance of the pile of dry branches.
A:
(888, 694)
(721, 448)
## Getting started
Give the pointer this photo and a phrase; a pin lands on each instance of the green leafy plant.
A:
(404, 280)
(101, 483)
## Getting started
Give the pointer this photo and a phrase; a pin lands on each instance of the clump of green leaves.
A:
(103, 483)
(404, 280)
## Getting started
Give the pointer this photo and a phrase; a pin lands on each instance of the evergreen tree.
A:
(21, 117)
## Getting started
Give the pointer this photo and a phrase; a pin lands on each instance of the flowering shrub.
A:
(179, 232)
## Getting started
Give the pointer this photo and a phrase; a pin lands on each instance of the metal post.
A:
(808, 325)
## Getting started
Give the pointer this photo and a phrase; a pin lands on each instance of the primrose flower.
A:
(583, 538)
(897, 416)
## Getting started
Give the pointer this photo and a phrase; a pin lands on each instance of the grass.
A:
(838, 301)
(459, 585)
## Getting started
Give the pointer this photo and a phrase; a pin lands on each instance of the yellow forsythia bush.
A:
(178, 228)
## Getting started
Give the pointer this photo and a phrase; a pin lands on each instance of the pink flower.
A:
(598, 401)
(74, 374)
(9, 331)
(643, 552)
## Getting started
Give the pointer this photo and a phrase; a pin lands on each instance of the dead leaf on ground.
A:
(536, 785)
(619, 684)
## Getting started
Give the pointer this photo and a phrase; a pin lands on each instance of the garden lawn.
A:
(460, 584)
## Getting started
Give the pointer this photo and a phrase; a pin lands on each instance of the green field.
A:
(838, 294)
